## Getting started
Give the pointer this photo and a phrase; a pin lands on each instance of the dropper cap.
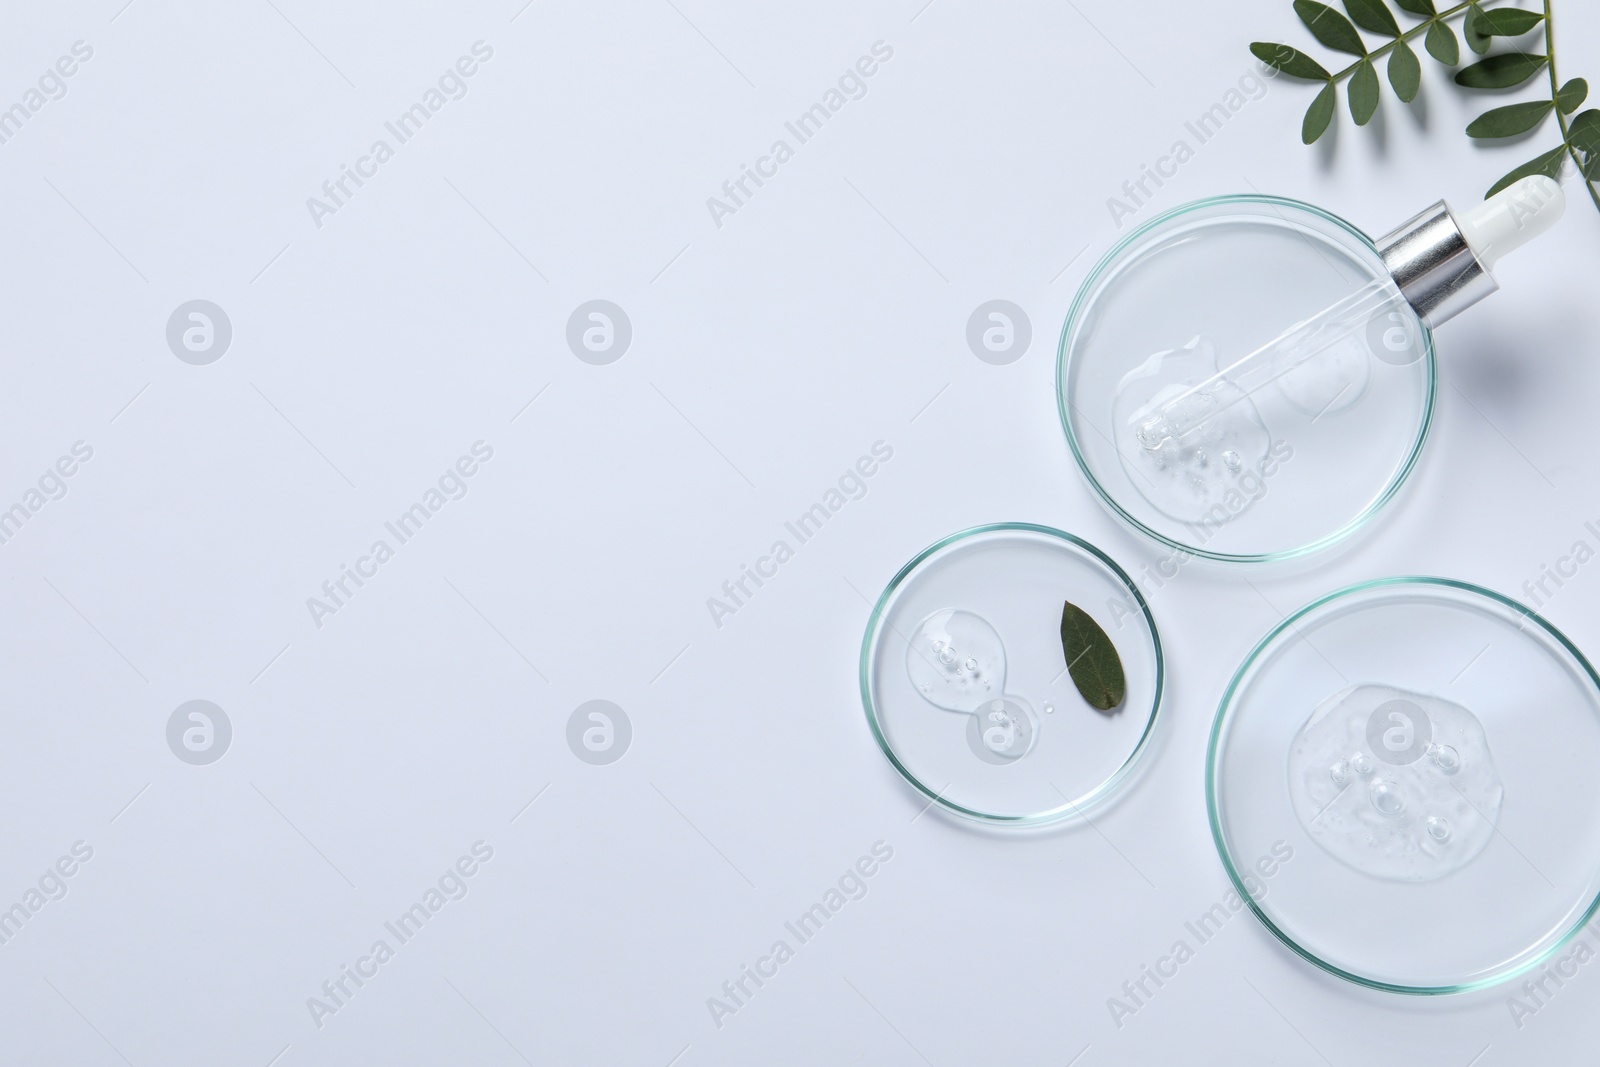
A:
(1512, 217)
(1442, 261)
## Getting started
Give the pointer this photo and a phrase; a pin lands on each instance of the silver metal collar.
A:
(1434, 266)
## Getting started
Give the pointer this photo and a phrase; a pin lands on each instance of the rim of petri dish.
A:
(1214, 816)
(1069, 328)
(1093, 797)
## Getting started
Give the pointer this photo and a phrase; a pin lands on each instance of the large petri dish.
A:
(1401, 785)
(1002, 734)
(1304, 460)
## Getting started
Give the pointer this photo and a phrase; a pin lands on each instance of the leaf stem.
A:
(1406, 36)
(1555, 90)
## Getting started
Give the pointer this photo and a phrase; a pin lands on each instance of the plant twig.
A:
(1504, 69)
(1555, 91)
(1406, 36)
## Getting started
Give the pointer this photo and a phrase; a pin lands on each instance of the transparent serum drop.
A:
(1396, 784)
(1189, 475)
(956, 660)
(1333, 376)
(1003, 730)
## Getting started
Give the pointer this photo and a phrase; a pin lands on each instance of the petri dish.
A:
(1298, 463)
(1400, 782)
(966, 686)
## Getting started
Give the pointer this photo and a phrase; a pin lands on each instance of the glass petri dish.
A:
(1008, 738)
(1303, 461)
(1400, 782)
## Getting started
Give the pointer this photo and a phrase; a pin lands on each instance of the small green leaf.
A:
(1330, 27)
(1584, 136)
(1572, 95)
(1500, 71)
(1548, 164)
(1442, 44)
(1477, 37)
(1508, 21)
(1405, 72)
(1092, 659)
(1319, 114)
(1417, 7)
(1374, 16)
(1363, 92)
(1291, 61)
(1510, 120)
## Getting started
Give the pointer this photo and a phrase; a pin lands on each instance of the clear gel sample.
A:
(1321, 365)
(1187, 474)
(956, 660)
(1003, 730)
(1396, 784)
(1332, 380)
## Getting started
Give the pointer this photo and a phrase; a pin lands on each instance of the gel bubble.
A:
(1002, 731)
(1213, 464)
(956, 660)
(1424, 796)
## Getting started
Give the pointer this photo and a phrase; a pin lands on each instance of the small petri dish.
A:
(1281, 467)
(1401, 785)
(966, 685)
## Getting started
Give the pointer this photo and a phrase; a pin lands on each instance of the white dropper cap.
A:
(1443, 262)
(1512, 217)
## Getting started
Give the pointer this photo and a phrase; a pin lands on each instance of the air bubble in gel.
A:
(1396, 784)
(956, 660)
(1188, 476)
(1387, 798)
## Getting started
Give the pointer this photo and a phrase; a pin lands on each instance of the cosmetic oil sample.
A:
(1396, 784)
(1003, 730)
(956, 660)
(1186, 475)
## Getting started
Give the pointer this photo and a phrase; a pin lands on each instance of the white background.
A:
(768, 354)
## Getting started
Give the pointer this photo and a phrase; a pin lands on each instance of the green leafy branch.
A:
(1480, 26)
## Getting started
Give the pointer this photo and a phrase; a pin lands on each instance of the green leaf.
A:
(1092, 659)
(1571, 95)
(1319, 114)
(1417, 7)
(1291, 61)
(1405, 72)
(1330, 27)
(1510, 120)
(1374, 16)
(1500, 71)
(1584, 136)
(1477, 37)
(1442, 44)
(1508, 21)
(1548, 164)
(1363, 92)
